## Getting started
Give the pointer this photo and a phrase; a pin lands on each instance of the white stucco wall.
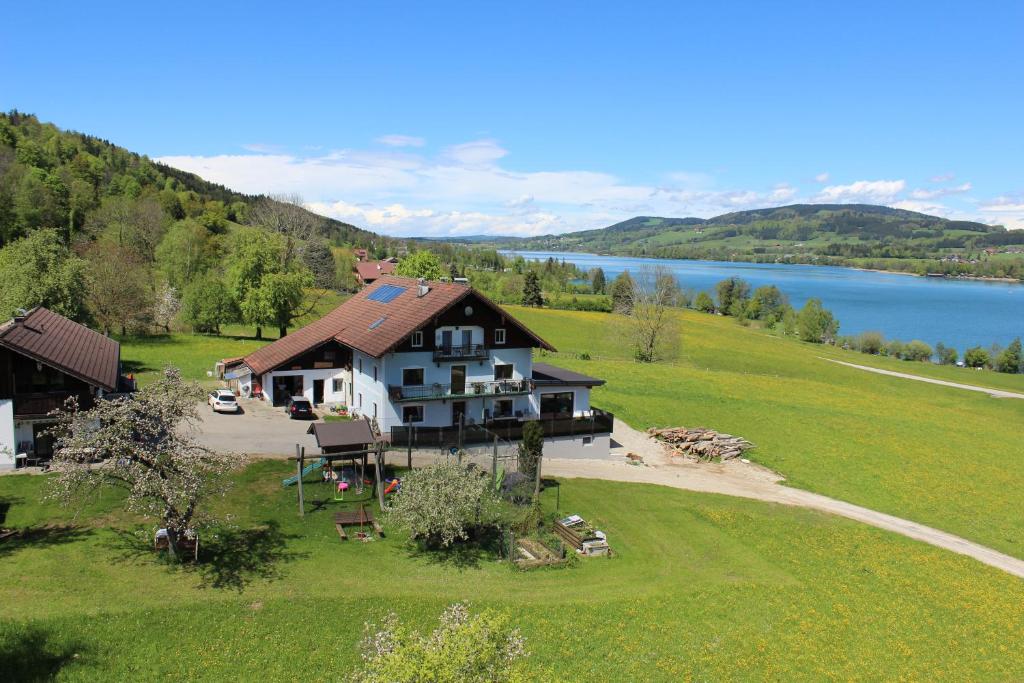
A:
(8, 444)
(438, 413)
(559, 447)
(373, 392)
(580, 403)
(308, 376)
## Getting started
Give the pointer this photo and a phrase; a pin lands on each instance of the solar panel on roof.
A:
(385, 293)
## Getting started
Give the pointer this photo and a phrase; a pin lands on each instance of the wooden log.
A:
(341, 532)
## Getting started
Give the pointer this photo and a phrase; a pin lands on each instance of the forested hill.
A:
(848, 234)
(105, 236)
(61, 179)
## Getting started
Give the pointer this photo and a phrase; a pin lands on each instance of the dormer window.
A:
(417, 339)
(499, 335)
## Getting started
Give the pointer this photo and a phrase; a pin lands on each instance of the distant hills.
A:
(799, 233)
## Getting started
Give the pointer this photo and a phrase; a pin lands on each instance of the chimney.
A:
(423, 288)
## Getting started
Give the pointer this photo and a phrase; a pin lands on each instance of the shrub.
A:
(464, 647)
(815, 323)
(917, 350)
(704, 303)
(870, 342)
(946, 355)
(976, 357)
(1009, 360)
(443, 503)
(894, 349)
(531, 448)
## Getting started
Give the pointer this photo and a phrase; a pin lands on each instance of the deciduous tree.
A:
(815, 323)
(38, 270)
(140, 444)
(422, 264)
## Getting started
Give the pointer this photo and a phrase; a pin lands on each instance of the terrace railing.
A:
(596, 422)
(463, 352)
(427, 392)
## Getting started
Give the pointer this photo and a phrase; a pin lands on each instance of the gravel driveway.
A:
(261, 430)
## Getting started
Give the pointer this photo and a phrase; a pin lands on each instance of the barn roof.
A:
(70, 347)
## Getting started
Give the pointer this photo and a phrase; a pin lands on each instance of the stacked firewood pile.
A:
(703, 444)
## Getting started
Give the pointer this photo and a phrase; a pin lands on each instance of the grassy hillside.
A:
(704, 587)
(945, 457)
(838, 234)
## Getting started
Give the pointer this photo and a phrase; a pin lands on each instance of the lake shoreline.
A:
(962, 312)
(937, 276)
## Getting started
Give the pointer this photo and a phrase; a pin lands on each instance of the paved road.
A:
(260, 430)
(998, 393)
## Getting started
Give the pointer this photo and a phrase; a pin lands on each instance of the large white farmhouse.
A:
(416, 356)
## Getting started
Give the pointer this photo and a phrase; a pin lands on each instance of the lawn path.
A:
(752, 481)
(997, 393)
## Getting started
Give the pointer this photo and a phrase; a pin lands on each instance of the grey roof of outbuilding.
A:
(552, 374)
(341, 434)
(70, 347)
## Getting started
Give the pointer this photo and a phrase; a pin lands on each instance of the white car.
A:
(223, 401)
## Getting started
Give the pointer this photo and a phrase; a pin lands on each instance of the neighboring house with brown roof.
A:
(44, 360)
(424, 354)
(368, 272)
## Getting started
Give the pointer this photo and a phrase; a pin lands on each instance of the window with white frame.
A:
(375, 372)
(499, 335)
(375, 410)
(503, 371)
(360, 366)
(412, 414)
(360, 399)
(338, 385)
(412, 377)
(417, 339)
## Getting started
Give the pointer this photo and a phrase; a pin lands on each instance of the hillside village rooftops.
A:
(369, 270)
(375, 321)
(65, 345)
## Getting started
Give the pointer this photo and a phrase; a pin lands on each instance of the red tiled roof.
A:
(371, 271)
(370, 326)
(63, 344)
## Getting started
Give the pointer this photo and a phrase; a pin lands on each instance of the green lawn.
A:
(945, 457)
(703, 587)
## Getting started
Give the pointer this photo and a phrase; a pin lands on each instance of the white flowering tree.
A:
(442, 503)
(463, 648)
(140, 443)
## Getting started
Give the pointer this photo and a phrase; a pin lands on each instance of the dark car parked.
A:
(297, 406)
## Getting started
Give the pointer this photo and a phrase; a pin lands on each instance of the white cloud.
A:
(261, 148)
(942, 178)
(940, 191)
(396, 140)
(476, 153)
(821, 178)
(1005, 210)
(862, 191)
(930, 208)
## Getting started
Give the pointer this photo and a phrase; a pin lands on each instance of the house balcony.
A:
(41, 404)
(435, 392)
(464, 352)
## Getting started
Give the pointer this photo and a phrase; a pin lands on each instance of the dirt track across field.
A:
(748, 480)
(997, 393)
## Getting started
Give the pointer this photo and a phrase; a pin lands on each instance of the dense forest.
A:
(835, 234)
(107, 236)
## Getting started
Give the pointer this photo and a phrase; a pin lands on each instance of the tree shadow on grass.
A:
(42, 537)
(229, 558)
(482, 545)
(31, 653)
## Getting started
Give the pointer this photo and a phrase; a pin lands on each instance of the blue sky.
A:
(520, 118)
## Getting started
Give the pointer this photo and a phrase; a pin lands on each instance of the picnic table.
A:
(361, 518)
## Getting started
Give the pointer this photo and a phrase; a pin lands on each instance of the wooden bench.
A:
(361, 517)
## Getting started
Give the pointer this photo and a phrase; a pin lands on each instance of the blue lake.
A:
(960, 313)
